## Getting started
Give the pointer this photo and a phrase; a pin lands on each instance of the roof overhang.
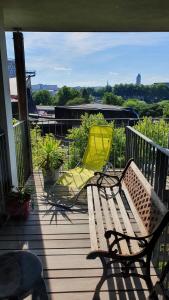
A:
(85, 15)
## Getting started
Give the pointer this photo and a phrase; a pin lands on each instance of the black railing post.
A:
(160, 174)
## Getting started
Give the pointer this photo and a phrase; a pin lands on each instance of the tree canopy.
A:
(65, 94)
(42, 98)
(149, 93)
(110, 98)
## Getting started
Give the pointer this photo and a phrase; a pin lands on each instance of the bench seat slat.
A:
(99, 219)
(116, 220)
(126, 221)
(92, 225)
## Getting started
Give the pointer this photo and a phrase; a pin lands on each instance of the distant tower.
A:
(138, 79)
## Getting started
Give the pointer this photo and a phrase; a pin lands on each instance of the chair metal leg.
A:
(39, 291)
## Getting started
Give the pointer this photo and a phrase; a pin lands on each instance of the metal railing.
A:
(152, 160)
(4, 178)
(22, 152)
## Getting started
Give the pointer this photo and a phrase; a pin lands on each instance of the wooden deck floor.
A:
(61, 240)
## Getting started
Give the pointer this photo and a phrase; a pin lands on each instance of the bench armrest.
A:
(118, 236)
(108, 234)
(103, 175)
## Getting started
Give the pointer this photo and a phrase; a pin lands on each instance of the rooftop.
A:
(92, 106)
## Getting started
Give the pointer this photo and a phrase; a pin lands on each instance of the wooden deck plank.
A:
(47, 244)
(39, 237)
(48, 229)
(123, 295)
(84, 285)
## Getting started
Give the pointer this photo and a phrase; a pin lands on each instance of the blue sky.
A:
(92, 59)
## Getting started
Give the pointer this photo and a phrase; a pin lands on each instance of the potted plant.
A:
(18, 202)
(49, 157)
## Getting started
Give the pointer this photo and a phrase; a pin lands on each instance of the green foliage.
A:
(149, 93)
(145, 109)
(118, 147)
(14, 121)
(47, 152)
(85, 94)
(152, 110)
(155, 130)
(42, 98)
(108, 88)
(166, 111)
(110, 98)
(65, 94)
(77, 101)
(136, 104)
(164, 105)
(21, 194)
(80, 136)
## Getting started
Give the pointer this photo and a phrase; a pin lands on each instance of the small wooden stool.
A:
(21, 275)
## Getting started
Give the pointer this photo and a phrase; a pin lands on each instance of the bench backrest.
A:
(148, 204)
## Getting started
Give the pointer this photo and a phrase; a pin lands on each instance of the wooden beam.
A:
(6, 113)
(21, 87)
(20, 74)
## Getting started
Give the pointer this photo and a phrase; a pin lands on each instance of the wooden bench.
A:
(125, 221)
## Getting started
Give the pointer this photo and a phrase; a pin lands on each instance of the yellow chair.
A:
(95, 158)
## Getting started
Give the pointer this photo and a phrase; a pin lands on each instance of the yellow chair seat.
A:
(94, 159)
(76, 178)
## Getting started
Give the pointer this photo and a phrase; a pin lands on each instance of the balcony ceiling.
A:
(86, 15)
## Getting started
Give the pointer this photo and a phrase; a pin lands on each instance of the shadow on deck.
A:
(61, 240)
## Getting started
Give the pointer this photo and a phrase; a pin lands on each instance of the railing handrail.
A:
(73, 119)
(148, 140)
(107, 119)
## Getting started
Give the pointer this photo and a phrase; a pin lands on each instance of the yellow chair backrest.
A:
(98, 148)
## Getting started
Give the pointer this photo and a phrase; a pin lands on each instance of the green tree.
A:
(136, 104)
(108, 88)
(166, 110)
(42, 97)
(65, 94)
(149, 93)
(152, 110)
(85, 94)
(164, 105)
(76, 101)
(155, 130)
(110, 98)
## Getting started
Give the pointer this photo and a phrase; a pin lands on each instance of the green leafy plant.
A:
(21, 194)
(47, 152)
(118, 148)
(156, 130)
(14, 121)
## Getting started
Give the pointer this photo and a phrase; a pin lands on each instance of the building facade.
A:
(138, 79)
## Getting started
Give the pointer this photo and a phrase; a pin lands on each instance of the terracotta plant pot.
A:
(17, 209)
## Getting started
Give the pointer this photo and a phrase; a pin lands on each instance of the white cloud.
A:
(113, 73)
(88, 43)
(62, 69)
